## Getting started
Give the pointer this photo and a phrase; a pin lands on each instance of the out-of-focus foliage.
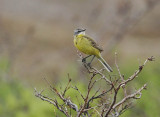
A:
(16, 100)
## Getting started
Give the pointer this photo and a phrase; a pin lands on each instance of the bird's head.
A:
(79, 31)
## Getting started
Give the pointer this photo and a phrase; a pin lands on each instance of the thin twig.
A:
(67, 87)
(137, 72)
(99, 96)
(86, 98)
(79, 92)
(124, 83)
(131, 96)
(122, 78)
(51, 101)
(67, 101)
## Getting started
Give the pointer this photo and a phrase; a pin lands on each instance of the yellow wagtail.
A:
(88, 46)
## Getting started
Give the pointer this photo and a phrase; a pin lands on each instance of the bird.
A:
(88, 46)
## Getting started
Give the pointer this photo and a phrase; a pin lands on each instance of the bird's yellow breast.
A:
(85, 46)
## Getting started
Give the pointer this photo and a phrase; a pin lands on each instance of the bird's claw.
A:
(84, 60)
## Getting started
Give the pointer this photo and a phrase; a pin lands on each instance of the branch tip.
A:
(151, 58)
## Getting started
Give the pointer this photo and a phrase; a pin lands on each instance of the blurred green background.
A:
(36, 41)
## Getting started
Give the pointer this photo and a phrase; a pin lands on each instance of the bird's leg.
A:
(89, 64)
(84, 59)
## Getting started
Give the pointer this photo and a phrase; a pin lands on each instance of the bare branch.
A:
(137, 72)
(79, 92)
(51, 101)
(134, 96)
(125, 108)
(67, 87)
(99, 96)
(124, 83)
(107, 107)
(86, 99)
(122, 78)
(103, 76)
(113, 102)
(67, 101)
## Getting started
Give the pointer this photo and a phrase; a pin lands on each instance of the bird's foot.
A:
(84, 60)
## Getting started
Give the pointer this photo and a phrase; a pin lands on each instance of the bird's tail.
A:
(104, 63)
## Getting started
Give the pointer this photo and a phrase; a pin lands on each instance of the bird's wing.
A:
(94, 44)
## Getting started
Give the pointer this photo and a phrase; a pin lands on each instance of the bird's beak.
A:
(83, 29)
